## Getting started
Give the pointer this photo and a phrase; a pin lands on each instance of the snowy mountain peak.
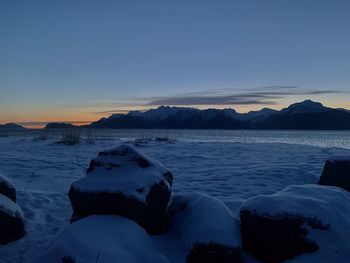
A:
(306, 106)
(135, 113)
(231, 113)
(164, 112)
(256, 116)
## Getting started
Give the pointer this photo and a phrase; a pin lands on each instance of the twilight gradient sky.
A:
(81, 60)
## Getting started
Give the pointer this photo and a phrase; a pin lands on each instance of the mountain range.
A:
(306, 115)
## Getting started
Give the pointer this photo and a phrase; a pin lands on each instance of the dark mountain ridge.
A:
(306, 115)
(11, 127)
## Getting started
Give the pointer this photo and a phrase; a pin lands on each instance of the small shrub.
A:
(70, 136)
(90, 136)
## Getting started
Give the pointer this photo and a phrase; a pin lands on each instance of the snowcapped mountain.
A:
(307, 106)
(258, 116)
(166, 117)
(165, 112)
(308, 115)
(303, 115)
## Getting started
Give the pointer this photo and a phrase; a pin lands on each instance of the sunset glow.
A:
(116, 57)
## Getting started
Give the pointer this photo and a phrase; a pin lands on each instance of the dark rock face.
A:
(11, 228)
(133, 186)
(6, 188)
(213, 253)
(276, 239)
(336, 172)
(11, 219)
(299, 219)
(150, 215)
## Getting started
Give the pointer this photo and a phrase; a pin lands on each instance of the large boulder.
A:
(308, 221)
(11, 221)
(103, 239)
(7, 188)
(336, 172)
(207, 230)
(124, 182)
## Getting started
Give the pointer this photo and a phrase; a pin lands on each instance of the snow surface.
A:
(103, 239)
(201, 218)
(212, 162)
(330, 205)
(111, 238)
(9, 207)
(120, 173)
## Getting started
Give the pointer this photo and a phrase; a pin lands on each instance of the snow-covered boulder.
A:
(11, 221)
(103, 239)
(122, 181)
(305, 223)
(207, 230)
(336, 172)
(7, 188)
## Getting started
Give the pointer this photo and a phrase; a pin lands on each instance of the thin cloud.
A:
(245, 99)
(268, 96)
(265, 96)
(112, 112)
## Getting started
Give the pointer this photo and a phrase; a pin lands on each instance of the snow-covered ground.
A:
(231, 171)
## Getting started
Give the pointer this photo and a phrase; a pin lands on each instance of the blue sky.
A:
(81, 60)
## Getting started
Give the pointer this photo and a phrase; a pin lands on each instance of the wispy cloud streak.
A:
(258, 96)
(265, 96)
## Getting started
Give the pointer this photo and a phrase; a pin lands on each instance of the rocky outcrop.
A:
(336, 172)
(124, 182)
(11, 221)
(297, 220)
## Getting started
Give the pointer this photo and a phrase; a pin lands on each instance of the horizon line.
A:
(42, 124)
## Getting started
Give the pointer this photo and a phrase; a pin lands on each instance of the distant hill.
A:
(11, 127)
(59, 125)
(306, 115)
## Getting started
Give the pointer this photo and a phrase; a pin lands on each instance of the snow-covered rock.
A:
(7, 188)
(336, 172)
(306, 223)
(122, 181)
(103, 239)
(11, 221)
(207, 230)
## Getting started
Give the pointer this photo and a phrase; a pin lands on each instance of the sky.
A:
(78, 61)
